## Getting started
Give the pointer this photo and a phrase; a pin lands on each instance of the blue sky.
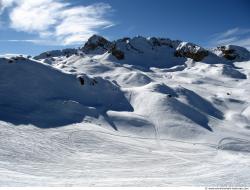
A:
(31, 27)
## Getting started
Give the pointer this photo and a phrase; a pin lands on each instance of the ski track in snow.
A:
(86, 154)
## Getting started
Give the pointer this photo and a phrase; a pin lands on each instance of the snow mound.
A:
(132, 79)
(232, 72)
(34, 93)
(165, 108)
(216, 70)
(133, 124)
(200, 103)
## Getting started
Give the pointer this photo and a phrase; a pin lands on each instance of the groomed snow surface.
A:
(90, 120)
(88, 155)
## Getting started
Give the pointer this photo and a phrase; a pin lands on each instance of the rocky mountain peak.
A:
(96, 42)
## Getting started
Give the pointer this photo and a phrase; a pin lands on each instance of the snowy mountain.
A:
(138, 103)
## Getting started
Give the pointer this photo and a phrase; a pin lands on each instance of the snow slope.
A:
(101, 114)
(88, 155)
(34, 93)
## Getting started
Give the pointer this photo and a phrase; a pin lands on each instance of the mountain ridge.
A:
(123, 49)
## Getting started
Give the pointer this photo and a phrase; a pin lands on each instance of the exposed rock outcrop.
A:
(190, 50)
(233, 53)
(117, 53)
(96, 42)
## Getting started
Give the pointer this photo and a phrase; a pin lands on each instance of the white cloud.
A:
(36, 16)
(81, 22)
(5, 3)
(46, 42)
(57, 20)
(244, 42)
(234, 36)
(227, 40)
(229, 32)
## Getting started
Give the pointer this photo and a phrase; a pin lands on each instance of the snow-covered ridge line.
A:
(131, 49)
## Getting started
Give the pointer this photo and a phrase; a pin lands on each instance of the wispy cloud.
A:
(35, 41)
(235, 36)
(56, 21)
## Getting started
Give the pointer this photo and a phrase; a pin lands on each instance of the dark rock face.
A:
(103, 45)
(117, 53)
(95, 42)
(163, 42)
(192, 51)
(155, 42)
(81, 79)
(233, 53)
(199, 56)
(228, 53)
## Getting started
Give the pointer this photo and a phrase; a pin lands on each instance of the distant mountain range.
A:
(153, 52)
